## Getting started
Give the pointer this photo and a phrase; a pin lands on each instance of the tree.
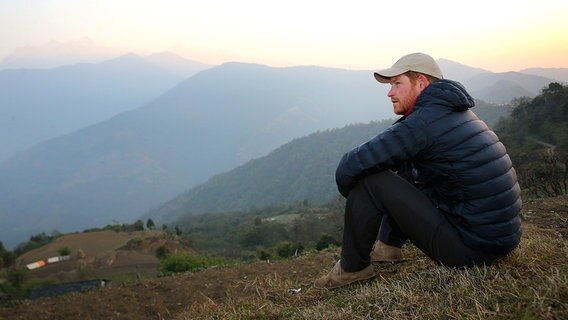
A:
(16, 277)
(150, 224)
(548, 178)
(251, 237)
(2, 253)
(35, 241)
(536, 138)
(9, 258)
(136, 226)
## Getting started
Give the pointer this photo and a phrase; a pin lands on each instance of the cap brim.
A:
(383, 76)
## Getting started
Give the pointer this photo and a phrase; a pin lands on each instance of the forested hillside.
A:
(536, 136)
(303, 169)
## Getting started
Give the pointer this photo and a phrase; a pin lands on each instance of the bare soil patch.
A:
(548, 213)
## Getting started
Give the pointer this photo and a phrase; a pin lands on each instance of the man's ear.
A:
(422, 82)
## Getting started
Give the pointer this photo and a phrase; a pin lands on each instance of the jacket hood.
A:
(447, 93)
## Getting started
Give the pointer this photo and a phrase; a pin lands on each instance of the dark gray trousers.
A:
(389, 208)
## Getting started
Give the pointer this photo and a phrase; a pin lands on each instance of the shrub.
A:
(184, 261)
(264, 254)
(286, 249)
(134, 243)
(179, 262)
(162, 252)
(64, 251)
(326, 241)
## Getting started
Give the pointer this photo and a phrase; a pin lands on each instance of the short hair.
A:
(413, 76)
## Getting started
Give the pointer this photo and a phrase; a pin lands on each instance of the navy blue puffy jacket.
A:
(458, 163)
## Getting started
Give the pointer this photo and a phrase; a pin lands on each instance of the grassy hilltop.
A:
(531, 283)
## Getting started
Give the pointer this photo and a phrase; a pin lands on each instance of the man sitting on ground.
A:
(454, 194)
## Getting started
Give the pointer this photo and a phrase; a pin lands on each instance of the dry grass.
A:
(531, 283)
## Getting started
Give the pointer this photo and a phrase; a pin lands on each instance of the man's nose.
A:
(390, 93)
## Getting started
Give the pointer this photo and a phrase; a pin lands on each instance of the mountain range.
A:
(211, 122)
(37, 105)
(501, 88)
(58, 54)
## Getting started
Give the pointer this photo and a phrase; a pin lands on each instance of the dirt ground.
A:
(548, 213)
(165, 298)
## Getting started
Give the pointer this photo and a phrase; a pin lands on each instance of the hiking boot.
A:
(338, 278)
(382, 252)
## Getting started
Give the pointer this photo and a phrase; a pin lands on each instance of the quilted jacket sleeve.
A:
(385, 151)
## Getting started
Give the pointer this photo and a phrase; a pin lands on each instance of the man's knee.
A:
(378, 180)
(370, 188)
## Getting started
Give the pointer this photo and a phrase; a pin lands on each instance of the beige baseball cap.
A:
(417, 62)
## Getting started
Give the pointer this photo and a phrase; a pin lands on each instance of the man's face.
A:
(403, 94)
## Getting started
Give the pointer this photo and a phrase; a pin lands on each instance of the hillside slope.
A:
(531, 282)
(102, 254)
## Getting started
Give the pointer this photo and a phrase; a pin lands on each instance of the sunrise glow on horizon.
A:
(494, 35)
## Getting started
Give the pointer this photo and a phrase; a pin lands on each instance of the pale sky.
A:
(490, 34)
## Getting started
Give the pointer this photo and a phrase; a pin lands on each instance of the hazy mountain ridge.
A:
(209, 123)
(37, 105)
(119, 168)
(458, 71)
(502, 87)
(175, 64)
(560, 74)
(56, 54)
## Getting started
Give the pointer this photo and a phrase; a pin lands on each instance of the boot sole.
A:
(388, 261)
